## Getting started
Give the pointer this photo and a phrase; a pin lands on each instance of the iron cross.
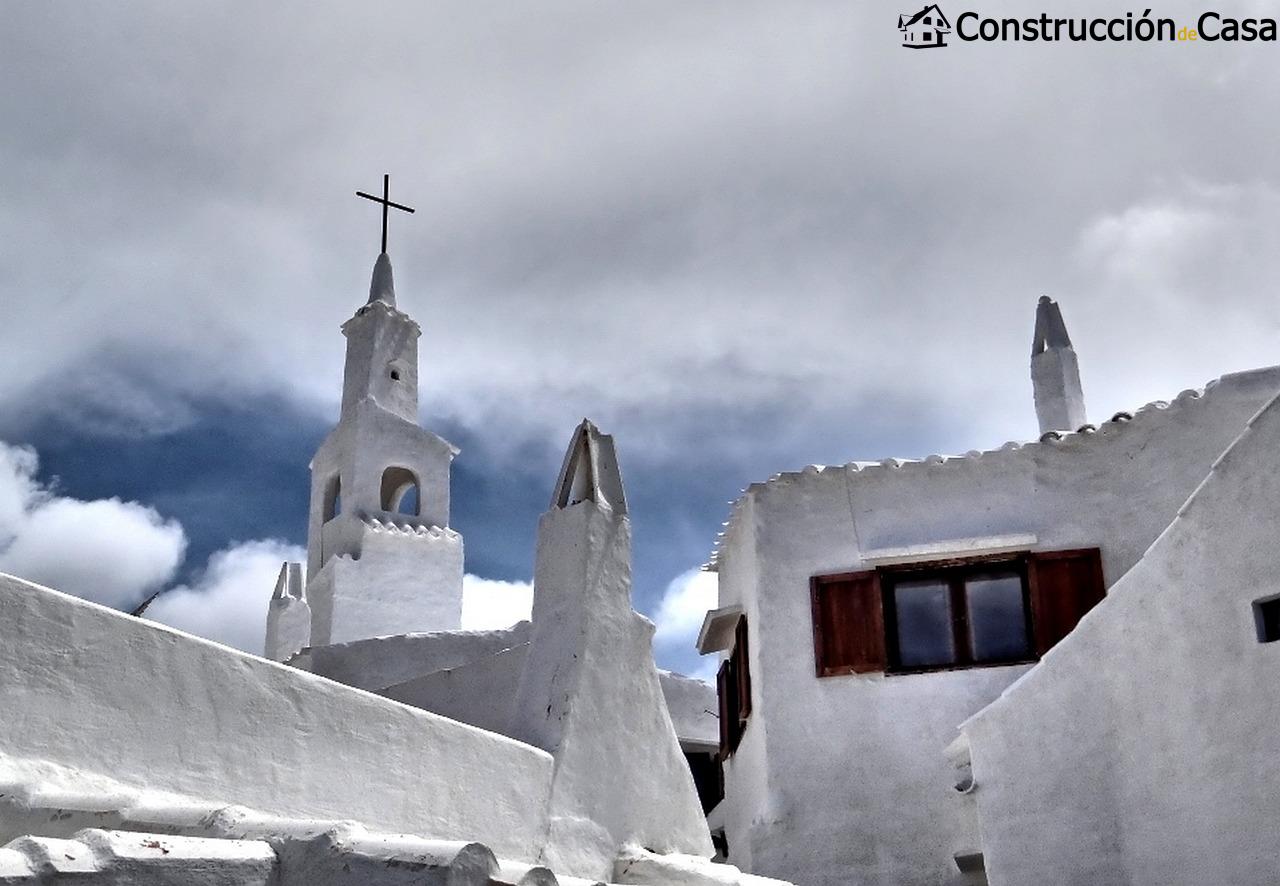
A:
(386, 203)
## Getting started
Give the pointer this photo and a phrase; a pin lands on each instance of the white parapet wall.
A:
(92, 689)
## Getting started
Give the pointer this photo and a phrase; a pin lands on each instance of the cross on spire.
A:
(386, 203)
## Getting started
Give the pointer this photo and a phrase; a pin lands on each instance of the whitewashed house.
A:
(869, 611)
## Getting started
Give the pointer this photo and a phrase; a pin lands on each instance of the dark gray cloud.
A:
(740, 236)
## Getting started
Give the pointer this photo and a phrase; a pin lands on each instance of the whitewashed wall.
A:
(379, 662)
(106, 693)
(842, 780)
(1161, 710)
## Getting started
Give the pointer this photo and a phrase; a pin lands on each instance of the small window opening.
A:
(333, 498)
(959, 616)
(970, 862)
(395, 375)
(1266, 614)
(400, 492)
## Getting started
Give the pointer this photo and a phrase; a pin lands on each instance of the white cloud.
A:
(117, 552)
(18, 488)
(228, 602)
(489, 604)
(110, 551)
(684, 605)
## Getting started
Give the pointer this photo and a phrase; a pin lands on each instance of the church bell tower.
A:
(381, 558)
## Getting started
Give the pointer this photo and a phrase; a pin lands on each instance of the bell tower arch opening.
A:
(401, 492)
(333, 497)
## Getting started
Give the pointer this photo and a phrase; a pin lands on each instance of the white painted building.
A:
(540, 755)
(868, 611)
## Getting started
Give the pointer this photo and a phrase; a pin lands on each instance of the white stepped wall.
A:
(103, 692)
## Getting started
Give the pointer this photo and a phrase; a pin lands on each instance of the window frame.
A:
(955, 573)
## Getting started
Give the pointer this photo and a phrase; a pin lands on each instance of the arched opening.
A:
(332, 498)
(400, 491)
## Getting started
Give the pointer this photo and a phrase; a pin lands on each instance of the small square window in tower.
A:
(1266, 614)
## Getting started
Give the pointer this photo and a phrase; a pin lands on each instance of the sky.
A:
(742, 237)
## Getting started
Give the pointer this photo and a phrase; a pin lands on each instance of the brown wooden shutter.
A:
(728, 717)
(848, 624)
(1064, 586)
(740, 659)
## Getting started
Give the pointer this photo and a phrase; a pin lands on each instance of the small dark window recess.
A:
(721, 845)
(970, 862)
(395, 375)
(1266, 613)
(708, 777)
(957, 615)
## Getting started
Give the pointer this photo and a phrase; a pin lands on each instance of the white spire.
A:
(382, 287)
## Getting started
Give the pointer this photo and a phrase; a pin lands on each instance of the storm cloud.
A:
(740, 236)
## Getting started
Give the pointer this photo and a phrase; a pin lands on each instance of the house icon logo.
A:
(927, 29)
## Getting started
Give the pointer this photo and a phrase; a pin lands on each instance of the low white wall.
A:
(380, 662)
(1142, 750)
(477, 692)
(88, 687)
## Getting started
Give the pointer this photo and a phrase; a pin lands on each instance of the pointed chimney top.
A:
(289, 584)
(382, 287)
(590, 472)
(1050, 332)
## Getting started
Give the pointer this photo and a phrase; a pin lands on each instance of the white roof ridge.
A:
(1053, 439)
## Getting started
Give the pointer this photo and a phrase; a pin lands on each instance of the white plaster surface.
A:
(145, 838)
(1161, 708)
(842, 779)
(380, 662)
(480, 691)
(288, 615)
(590, 695)
(1055, 372)
(402, 581)
(111, 857)
(589, 692)
(694, 710)
(102, 692)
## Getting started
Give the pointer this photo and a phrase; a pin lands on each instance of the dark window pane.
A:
(997, 621)
(924, 623)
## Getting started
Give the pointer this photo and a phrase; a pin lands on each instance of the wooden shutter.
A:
(1064, 586)
(848, 624)
(743, 675)
(733, 686)
(728, 716)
